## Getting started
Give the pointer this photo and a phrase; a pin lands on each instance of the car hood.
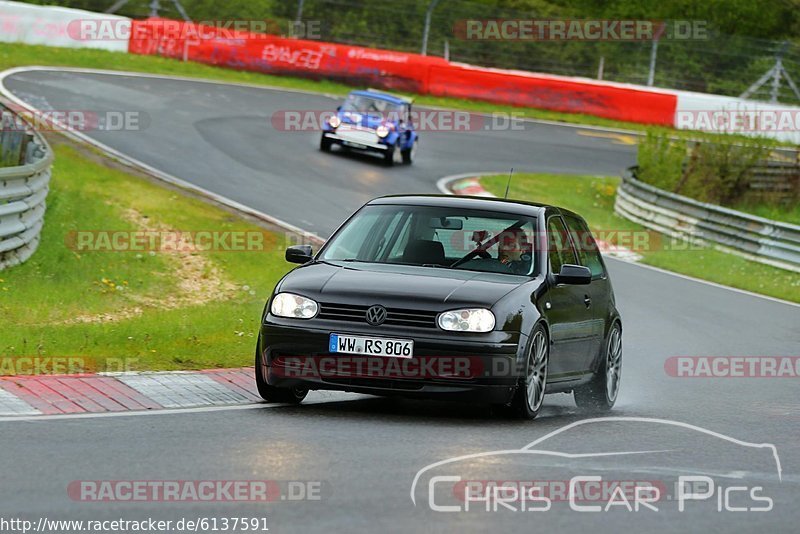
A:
(400, 286)
(365, 120)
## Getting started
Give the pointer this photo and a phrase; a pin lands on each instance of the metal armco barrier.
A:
(23, 190)
(782, 177)
(763, 240)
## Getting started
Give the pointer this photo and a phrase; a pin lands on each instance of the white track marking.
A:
(132, 413)
(315, 397)
(182, 390)
(10, 404)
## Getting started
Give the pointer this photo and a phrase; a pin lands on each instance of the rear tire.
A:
(529, 397)
(600, 394)
(270, 393)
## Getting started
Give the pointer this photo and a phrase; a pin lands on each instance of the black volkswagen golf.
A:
(489, 300)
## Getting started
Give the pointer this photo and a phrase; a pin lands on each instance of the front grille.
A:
(394, 316)
(357, 135)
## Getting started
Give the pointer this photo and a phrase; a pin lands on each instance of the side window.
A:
(560, 249)
(588, 251)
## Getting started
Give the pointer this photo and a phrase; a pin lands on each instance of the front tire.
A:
(324, 144)
(293, 395)
(411, 154)
(393, 155)
(600, 394)
(529, 397)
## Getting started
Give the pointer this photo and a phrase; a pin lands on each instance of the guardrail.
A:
(781, 177)
(23, 190)
(756, 238)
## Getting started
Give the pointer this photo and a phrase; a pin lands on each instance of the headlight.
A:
(472, 320)
(334, 121)
(382, 131)
(295, 306)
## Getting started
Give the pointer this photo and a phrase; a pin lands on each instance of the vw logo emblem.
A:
(376, 315)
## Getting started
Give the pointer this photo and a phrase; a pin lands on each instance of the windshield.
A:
(370, 106)
(436, 237)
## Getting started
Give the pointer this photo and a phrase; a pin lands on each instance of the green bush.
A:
(660, 160)
(714, 172)
(720, 173)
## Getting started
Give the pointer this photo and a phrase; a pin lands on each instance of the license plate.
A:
(351, 144)
(371, 346)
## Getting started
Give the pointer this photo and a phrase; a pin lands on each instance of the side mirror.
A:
(299, 254)
(574, 275)
(338, 108)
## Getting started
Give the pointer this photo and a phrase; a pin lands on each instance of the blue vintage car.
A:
(373, 121)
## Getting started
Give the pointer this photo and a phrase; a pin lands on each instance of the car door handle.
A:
(587, 300)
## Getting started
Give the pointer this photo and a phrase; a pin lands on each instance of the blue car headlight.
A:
(382, 131)
(335, 121)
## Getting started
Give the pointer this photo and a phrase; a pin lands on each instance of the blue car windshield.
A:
(437, 237)
(371, 106)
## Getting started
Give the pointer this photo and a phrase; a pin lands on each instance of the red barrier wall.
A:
(400, 71)
(554, 93)
(276, 55)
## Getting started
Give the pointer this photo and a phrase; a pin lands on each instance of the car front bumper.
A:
(444, 365)
(359, 144)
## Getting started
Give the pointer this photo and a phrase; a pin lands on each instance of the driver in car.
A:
(514, 251)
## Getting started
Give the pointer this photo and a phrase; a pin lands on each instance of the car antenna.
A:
(508, 184)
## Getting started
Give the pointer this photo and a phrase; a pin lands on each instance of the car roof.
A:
(383, 96)
(517, 207)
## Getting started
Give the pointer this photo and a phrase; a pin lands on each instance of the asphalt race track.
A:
(366, 451)
(221, 137)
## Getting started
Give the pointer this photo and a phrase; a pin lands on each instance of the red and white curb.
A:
(121, 392)
(470, 185)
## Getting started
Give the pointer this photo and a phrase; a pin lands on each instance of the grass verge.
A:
(783, 212)
(593, 197)
(145, 309)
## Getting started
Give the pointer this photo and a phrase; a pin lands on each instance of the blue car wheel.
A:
(393, 154)
(410, 154)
